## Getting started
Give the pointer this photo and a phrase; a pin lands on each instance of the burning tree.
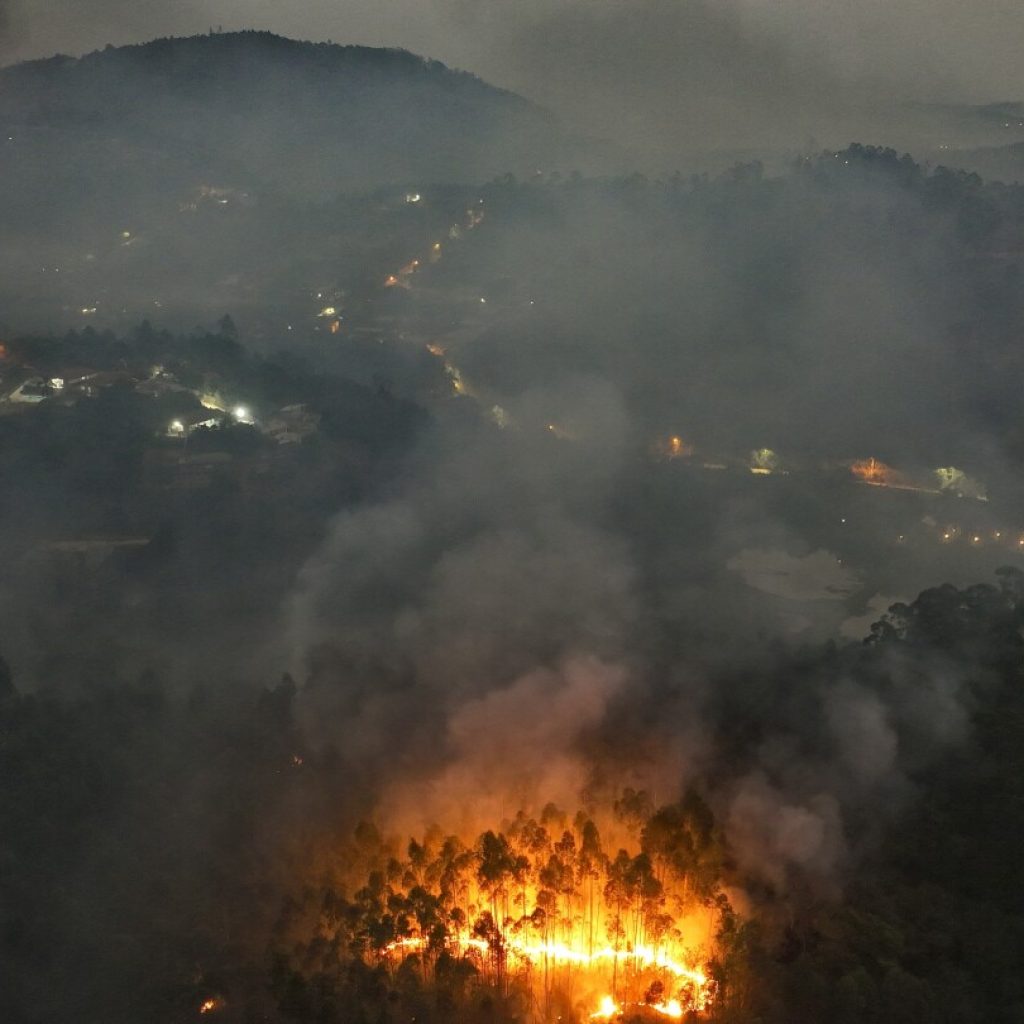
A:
(538, 915)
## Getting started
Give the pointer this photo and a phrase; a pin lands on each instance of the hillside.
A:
(254, 110)
(999, 163)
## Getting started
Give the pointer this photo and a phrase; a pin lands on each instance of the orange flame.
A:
(871, 471)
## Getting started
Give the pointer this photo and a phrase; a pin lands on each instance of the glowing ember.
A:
(210, 1005)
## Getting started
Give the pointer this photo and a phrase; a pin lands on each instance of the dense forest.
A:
(164, 851)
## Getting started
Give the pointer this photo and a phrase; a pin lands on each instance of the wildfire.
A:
(673, 1008)
(559, 953)
(543, 907)
(871, 471)
(210, 1005)
(608, 1009)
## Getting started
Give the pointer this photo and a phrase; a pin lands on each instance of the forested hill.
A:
(252, 109)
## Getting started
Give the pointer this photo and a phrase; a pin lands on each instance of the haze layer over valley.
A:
(467, 562)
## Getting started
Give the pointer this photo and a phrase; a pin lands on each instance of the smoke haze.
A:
(381, 458)
(738, 75)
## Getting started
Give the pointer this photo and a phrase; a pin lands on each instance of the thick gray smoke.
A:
(480, 571)
(486, 639)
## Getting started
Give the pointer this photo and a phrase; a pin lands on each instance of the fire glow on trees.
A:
(871, 471)
(541, 910)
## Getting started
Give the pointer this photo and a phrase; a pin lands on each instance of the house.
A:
(200, 419)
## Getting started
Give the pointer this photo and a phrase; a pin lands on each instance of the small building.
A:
(188, 423)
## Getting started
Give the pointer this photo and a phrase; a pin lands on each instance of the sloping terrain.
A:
(252, 109)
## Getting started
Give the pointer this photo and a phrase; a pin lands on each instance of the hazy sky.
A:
(969, 47)
(657, 75)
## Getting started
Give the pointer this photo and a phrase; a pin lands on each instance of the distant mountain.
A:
(251, 109)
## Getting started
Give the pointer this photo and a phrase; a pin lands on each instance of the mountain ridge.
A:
(310, 119)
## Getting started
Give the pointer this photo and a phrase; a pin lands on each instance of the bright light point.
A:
(673, 1008)
(483, 300)
(242, 414)
(176, 427)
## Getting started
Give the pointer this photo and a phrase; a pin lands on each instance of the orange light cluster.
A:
(872, 471)
(609, 1009)
(673, 447)
(641, 957)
